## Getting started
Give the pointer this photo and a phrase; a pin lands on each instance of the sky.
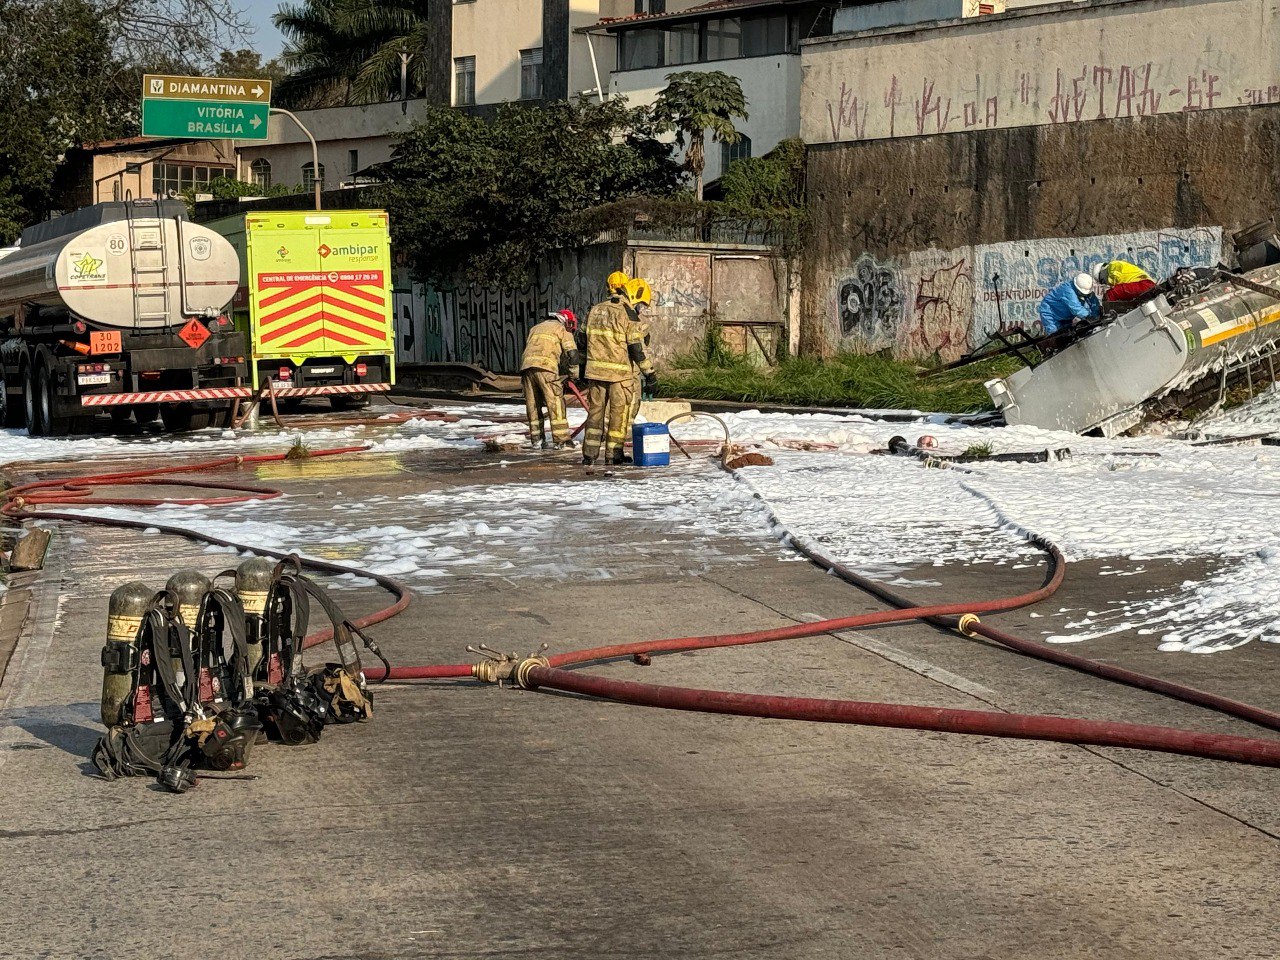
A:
(266, 40)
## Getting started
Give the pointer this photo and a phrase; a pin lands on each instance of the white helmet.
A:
(1100, 271)
(1084, 284)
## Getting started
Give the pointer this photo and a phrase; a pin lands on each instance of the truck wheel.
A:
(31, 402)
(55, 424)
(121, 415)
(14, 415)
(348, 402)
(223, 417)
(182, 417)
(146, 413)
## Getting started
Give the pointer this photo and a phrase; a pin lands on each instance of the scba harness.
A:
(298, 703)
(180, 697)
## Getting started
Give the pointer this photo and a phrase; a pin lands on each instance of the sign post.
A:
(205, 108)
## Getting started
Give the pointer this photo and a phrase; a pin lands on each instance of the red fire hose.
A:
(18, 500)
(533, 673)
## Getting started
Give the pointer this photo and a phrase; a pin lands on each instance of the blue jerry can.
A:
(650, 445)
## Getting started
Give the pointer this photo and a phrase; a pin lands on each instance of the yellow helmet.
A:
(638, 291)
(617, 282)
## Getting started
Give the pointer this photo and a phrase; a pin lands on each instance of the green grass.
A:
(846, 380)
(979, 451)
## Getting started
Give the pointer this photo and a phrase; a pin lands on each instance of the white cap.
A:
(1100, 272)
(1084, 284)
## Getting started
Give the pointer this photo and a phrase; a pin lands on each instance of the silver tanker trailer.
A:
(1179, 352)
(119, 307)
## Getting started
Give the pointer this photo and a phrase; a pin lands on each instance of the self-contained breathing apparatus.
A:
(196, 674)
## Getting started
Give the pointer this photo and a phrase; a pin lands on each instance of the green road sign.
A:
(205, 108)
(204, 119)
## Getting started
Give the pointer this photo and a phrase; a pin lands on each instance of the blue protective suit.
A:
(1063, 306)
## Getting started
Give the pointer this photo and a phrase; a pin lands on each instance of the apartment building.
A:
(757, 41)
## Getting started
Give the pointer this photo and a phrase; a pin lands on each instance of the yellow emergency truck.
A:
(315, 302)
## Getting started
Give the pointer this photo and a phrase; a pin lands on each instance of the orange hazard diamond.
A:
(194, 334)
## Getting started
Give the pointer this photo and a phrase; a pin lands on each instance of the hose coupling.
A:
(523, 668)
(498, 667)
(968, 624)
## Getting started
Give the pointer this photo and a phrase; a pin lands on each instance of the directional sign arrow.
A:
(256, 122)
(258, 91)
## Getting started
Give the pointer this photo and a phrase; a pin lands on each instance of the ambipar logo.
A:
(349, 250)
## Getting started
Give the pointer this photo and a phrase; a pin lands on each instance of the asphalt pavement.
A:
(470, 821)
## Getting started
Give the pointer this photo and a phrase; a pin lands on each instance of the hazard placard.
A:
(104, 341)
(194, 334)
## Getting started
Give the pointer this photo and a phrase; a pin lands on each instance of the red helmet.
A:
(569, 318)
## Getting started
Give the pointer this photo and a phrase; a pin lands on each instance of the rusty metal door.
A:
(748, 304)
(682, 286)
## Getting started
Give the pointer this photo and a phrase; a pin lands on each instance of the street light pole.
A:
(315, 151)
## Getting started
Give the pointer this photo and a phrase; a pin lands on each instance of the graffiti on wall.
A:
(870, 303)
(946, 302)
(866, 88)
(1012, 278)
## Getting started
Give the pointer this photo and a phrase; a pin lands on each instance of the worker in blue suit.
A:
(1068, 303)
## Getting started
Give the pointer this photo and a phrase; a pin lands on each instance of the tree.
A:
(772, 182)
(188, 33)
(484, 201)
(248, 65)
(56, 91)
(694, 102)
(353, 49)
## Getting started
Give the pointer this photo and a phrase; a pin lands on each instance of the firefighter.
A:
(1068, 303)
(614, 344)
(549, 354)
(1124, 281)
(643, 381)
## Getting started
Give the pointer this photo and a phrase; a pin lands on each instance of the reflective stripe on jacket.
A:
(548, 342)
(611, 332)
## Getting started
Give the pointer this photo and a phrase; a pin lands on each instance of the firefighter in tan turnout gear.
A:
(550, 354)
(614, 343)
(643, 379)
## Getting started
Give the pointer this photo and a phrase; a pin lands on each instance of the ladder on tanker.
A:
(148, 258)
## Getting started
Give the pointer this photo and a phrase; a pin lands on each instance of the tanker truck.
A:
(1178, 352)
(119, 307)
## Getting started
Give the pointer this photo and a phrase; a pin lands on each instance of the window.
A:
(724, 38)
(531, 74)
(730, 152)
(683, 42)
(764, 36)
(170, 179)
(353, 162)
(260, 173)
(309, 177)
(464, 81)
(640, 49)
(651, 6)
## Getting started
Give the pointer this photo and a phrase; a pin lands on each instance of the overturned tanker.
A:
(1178, 352)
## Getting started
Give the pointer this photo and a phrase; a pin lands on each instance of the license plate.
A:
(93, 379)
(323, 370)
(280, 384)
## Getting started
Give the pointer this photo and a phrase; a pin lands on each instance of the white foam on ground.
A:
(883, 514)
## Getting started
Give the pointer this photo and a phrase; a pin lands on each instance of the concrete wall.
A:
(488, 326)
(1160, 175)
(771, 86)
(1058, 64)
(946, 302)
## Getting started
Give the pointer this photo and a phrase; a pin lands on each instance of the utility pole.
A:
(315, 151)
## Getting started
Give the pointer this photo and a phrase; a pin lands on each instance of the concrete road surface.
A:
(469, 821)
